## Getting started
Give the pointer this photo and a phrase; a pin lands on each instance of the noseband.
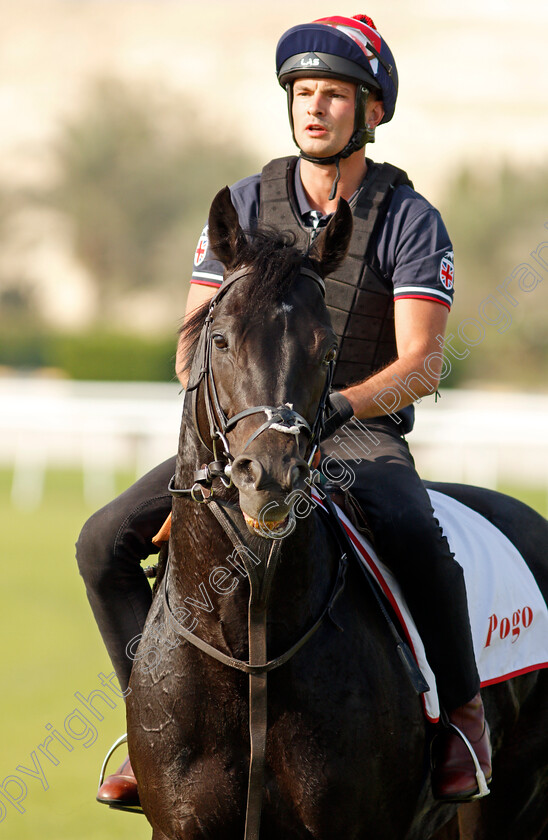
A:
(282, 418)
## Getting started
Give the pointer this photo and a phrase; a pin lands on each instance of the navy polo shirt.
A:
(413, 249)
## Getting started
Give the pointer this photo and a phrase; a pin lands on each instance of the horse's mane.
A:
(272, 258)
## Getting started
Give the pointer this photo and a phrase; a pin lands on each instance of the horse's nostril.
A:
(246, 471)
(299, 473)
(249, 473)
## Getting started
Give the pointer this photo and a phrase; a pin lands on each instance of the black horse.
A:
(338, 742)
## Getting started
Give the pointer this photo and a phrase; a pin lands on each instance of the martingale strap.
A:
(258, 666)
(264, 666)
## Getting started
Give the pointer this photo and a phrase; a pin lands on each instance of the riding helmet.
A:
(344, 48)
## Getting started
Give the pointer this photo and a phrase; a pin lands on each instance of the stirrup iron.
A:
(483, 790)
(119, 741)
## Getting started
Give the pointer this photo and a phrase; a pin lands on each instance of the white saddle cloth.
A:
(508, 614)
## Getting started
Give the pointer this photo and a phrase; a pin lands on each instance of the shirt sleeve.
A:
(421, 253)
(207, 270)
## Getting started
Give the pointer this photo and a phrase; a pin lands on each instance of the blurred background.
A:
(120, 121)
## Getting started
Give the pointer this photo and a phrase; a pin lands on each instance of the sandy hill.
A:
(472, 89)
(472, 76)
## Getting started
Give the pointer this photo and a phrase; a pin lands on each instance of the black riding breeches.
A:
(379, 470)
(109, 552)
(374, 463)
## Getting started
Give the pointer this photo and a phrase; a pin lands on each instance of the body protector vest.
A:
(359, 299)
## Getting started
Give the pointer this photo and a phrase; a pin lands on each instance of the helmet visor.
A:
(323, 65)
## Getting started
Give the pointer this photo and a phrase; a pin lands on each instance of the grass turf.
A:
(52, 652)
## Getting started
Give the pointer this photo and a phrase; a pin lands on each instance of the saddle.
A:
(508, 613)
(509, 616)
(350, 506)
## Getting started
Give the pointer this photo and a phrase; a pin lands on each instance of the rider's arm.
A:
(197, 296)
(416, 254)
(415, 373)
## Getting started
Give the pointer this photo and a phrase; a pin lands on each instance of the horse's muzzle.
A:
(268, 490)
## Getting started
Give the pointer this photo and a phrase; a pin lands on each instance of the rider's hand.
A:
(339, 410)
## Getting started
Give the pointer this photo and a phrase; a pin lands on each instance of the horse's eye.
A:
(220, 341)
(330, 356)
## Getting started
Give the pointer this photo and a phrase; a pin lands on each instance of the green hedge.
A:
(109, 356)
(100, 356)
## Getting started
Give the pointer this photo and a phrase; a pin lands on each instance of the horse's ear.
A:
(226, 237)
(331, 246)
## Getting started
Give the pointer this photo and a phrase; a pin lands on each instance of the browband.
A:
(244, 270)
(315, 276)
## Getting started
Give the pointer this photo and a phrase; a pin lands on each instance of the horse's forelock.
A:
(272, 259)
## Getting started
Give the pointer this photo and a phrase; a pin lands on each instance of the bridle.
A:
(285, 419)
(282, 418)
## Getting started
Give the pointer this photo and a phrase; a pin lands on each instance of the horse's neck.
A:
(191, 452)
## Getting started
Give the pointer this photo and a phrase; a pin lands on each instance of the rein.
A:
(284, 419)
(259, 601)
(258, 665)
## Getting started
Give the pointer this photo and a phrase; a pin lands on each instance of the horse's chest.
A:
(332, 730)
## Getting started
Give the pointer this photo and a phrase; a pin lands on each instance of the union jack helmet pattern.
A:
(340, 47)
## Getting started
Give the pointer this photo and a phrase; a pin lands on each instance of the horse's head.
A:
(265, 360)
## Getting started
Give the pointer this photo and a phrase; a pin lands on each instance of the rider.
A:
(389, 304)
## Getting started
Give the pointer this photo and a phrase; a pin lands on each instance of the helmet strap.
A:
(335, 184)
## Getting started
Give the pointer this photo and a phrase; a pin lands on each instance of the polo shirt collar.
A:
(310, 217)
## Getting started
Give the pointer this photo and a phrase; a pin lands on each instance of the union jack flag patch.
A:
(447, 271)
(201, 247)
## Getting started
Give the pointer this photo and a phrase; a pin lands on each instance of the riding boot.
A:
(119, 790)
(454, 775)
